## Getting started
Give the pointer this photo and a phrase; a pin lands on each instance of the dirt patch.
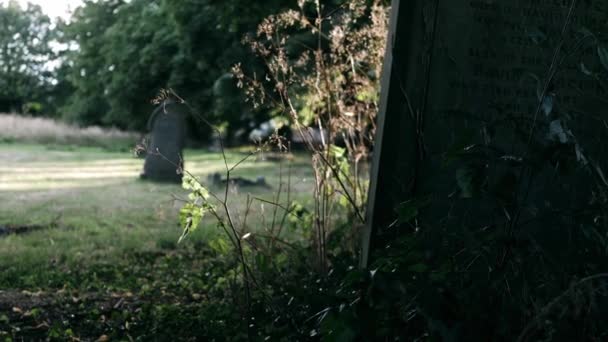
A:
(12, 301)
(26, 316)
(20, 302)
(8, 230)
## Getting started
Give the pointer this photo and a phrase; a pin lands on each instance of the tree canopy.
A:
(119, 54)
(25, 54)
(106, 63)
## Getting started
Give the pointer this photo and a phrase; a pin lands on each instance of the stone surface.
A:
(492, 77)
(167, 138)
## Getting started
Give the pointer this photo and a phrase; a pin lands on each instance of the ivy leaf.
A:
(188, 182)
(602, 52)
(190, 216)
(539, 86)
(466, 179)
(192, 184)
(338, 328)
(585, 70)
(585, 32)
(557, 132)
(409, 210)
(220, 245)
(418, 268)
(536, 35)
(601, 174)
(547, 105)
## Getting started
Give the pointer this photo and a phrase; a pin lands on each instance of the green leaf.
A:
(367, 95)
(198, 190)
(470, 179)
(465, 137)
(536, 35)
(336, 151)
(547, 105)
(344, 202)
(418, 268)
(409, 210)
(338, 327)
(262, 262)
(220, 245)
(585, 70)
(188, 182)
(190, 216)
(602, 52)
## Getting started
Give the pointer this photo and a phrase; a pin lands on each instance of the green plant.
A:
(323, 69)
(283, 287)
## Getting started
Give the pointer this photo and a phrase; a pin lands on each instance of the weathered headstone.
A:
(167, 138)
(473, 93)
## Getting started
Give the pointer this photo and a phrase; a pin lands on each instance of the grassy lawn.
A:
(98, 245)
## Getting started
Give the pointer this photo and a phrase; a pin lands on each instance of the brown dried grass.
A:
(24, 129)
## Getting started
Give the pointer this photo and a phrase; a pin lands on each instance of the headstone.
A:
(475, 80)
(164, 160)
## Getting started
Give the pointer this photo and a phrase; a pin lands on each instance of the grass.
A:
(97, 205)
(22, 129)
(105, 235)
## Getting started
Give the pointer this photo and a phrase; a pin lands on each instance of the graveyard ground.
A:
(87, 248)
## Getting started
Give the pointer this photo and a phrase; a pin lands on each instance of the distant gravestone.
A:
(470, 81)
(167, 138)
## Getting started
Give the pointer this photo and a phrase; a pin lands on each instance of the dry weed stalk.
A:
(323, 72)
(246, 243)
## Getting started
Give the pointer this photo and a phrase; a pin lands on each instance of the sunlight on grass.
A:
(63, 184)
(40, 176)
(20, 173)
(94, 209)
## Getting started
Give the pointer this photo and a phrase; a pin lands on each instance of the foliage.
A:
(490, 258)
(282, 287)
(120, 53)
(25, 35)
(166, 294)
(503, 237)
(261, 276)
(109, 73)
(323, 66)
(115, 268)
(491, 249)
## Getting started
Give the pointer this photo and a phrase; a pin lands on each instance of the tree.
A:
(128, 51)
(85, 68)
(210, 38)
(25, 54)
